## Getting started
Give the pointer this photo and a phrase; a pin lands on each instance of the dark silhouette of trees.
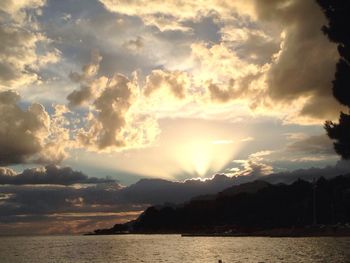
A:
(338, 31)
(273, 206)
(341, 133)
(250, 208)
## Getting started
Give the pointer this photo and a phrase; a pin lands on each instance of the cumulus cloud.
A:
(304, 66)
(225, 76)
(251, 44)
(27, 135)
(254, 166)
(21, 55)
(5, 171)
(220, 94)
(177, 82)
(171, 15)
(16, 9)
(59, 140)
(219, 63)
(253, 55)
(89, 70)
(111, 107)
(22, 132)
(283, 60)
(89, 83)
(284, 63)
(111, 123)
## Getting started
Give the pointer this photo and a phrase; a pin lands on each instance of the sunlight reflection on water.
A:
(172, 248)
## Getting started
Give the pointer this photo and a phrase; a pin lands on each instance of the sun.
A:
(185, 149)
(201, 156)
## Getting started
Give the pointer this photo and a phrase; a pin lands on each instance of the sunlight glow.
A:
(186, 149)
(200, 156)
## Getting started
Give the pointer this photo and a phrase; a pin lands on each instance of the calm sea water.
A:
(172, 248)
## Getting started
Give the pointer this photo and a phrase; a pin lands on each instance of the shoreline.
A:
(326, 231)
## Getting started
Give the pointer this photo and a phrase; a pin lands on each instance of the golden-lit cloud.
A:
(254, 166)
(177, 82)
(305, 64)
(90, 85)
(244, 69)
(106, 130)
(286, 58)
(29, 135)
(111, 123)
(255, 65)
(170, 15)
(17, 8)
(20, 58)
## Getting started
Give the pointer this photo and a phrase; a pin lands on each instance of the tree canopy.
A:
(338, 30)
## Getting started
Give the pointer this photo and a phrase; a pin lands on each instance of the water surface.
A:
(172, 248)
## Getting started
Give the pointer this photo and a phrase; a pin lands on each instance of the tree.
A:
(338, 30)
(341, 133)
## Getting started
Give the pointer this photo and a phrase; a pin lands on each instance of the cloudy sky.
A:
(105, 92)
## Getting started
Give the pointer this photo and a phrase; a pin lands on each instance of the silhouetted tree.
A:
(341, 133)
(338, 31)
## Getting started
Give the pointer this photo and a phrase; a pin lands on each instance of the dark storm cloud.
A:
(317, 145)
(258, 48)
(50, 174)
(100, 196)
(22, 132)
(306, 63)
(341, 168)
(61, 209)
(45, 200)
(29, 134)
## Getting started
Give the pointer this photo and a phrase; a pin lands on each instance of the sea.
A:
(172, 248)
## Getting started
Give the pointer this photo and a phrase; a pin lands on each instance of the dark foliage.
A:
(341, 83)
(338, 31)
(337, 13)
(340, 132)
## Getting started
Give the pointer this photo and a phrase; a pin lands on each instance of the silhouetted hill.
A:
(250, 207)
(261, 206)
(158, 191)
(251, 187)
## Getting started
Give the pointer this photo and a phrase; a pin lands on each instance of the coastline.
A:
(309, 231)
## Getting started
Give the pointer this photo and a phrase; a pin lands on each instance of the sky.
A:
(97, 94)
